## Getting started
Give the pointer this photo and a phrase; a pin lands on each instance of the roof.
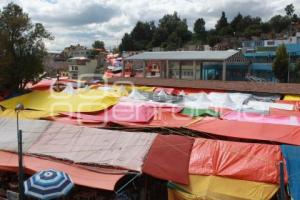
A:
(184, 55)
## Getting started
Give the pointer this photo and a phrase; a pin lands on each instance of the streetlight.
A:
(18, 109)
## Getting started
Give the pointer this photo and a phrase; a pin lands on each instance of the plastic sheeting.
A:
(27, 114)
(94, 146)
(259, 118)
(80, 176)
(249, 130)
(121, 112)
(199, 112)
(32, 129)
(259, 105)
(292, 97)
(164, 119)
(291, 155)
(169, 157)
(61, 102)
(217, 188)
(288, 113)
(244, 161)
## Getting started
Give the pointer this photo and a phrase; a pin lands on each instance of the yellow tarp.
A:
(88, 101)
(292, 97)
(219, 188)
(27, 114)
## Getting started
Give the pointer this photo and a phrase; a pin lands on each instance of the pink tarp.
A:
(260, 118)
(249, 130)
(244, 161)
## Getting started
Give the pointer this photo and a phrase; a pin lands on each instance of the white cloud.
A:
(83, 21)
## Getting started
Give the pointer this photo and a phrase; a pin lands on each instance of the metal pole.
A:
(282, 190)
(21, 173)
(18, 108)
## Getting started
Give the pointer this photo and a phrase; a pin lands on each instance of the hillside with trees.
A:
(172, 31)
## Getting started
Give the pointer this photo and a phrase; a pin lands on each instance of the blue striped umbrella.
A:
(48, 184)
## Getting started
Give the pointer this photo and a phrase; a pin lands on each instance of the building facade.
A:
(82, 68)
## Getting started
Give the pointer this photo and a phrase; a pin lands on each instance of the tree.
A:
(98, 44)
(237, 24)
(281, 64)
(127, 43)
(222, 22)
(279, 23)
(172, 32)
(142, 35)
(21, 48)
(289, 10)
(199, 29)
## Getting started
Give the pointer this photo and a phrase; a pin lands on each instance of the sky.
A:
(84, 21)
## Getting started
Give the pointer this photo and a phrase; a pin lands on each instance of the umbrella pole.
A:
(20, 155)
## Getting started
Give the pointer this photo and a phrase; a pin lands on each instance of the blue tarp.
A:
(292, 157)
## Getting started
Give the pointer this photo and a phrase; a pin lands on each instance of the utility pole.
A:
(19, 108)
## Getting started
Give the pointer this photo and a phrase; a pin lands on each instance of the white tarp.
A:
(32, 129)
(265, 106)
(94, 146)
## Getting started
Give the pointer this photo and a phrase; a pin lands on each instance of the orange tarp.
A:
(249, 130)
(287, 113)
(243, 161)
(80, 176)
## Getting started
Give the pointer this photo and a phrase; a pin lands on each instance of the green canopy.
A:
(199, 112)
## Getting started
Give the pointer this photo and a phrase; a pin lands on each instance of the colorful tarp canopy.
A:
(287, 113)
(169, 157)
(215, 188)
(94, 146)
(27, 114)
(89, 101)
(291, 155)
(164, 119)
(243, 161)
(292, 97)
(123, 111)
(80, 176)
(260, 118)
(199, 112)
(249, 130)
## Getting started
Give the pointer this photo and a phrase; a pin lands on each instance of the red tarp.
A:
(80, 176)
(244, 161)
(168, 158)
(249, 130)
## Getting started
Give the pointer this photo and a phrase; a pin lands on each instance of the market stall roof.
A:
(213, 187)
(248, 130)
(185, 55)
(80, 176)
(243, 161)
(121, 149)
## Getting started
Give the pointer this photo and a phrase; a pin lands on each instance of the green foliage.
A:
(172, 32)
(289, 10)
(279, 23)
(21, 48)
(222, 22)
(281, 64)
(199, 29)
(98, 44)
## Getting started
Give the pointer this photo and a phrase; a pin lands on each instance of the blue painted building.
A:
(261, 61)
